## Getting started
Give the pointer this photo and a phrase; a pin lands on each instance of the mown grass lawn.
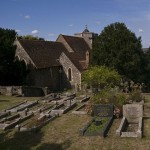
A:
(63, 133)
(8, 101)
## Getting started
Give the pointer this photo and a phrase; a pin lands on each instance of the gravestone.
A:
(101, 122)
(132, 111)
(103, 110)
(132, 122)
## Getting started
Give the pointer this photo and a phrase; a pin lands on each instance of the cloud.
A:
(27, 17)
(70, 25)
(35, 32)
(140, 30)
(18, 30)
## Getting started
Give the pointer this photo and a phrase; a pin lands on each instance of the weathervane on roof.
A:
(86, 26)
(86, 29)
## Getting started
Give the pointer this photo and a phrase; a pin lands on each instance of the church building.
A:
(56, 65)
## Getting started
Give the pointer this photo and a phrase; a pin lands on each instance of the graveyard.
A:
(61, 129)
(101, 121)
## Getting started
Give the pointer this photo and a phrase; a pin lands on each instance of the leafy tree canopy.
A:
(30, 37)
(117, 47)
(101, 76)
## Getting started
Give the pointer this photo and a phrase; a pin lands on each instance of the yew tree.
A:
(117, 47)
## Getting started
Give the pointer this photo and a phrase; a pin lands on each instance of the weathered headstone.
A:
(103, 110)
(132, 111)
(131, 124)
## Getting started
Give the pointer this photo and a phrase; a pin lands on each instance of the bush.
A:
(135, 96)
(106, 96)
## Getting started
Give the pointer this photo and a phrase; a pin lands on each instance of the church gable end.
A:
(61, 39)
(21, 54)
(71, 72)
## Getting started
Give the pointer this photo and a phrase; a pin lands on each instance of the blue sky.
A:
(49, 18)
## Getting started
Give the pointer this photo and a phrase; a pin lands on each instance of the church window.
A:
(69, 74)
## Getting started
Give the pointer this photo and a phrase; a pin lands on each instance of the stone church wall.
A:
(49, 77)
(75, 73)
(22, 55)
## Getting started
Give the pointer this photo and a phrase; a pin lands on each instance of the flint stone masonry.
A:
(27, 91)
(76, 74)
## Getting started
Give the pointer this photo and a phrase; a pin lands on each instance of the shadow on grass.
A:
(55, 146)
(3, 135)
(20, 140)
(4, 100)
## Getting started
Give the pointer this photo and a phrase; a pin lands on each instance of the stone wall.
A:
(88, 37)
(75, 73)
(24, 91)
(6, 90)
(49, 77)
(22, 55)
(28, 91)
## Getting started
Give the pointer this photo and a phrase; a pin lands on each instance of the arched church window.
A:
(17, 58)
(69, 74)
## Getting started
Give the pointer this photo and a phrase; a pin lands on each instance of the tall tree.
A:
(31, 37)
(147, 66)
(119, 48)
(12, 71)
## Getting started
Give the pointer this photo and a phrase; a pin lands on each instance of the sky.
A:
(49, 18)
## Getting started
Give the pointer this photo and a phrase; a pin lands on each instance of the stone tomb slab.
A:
(101, 122)
(131, 124)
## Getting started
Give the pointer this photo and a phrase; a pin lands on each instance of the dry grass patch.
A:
(63, 134)
(8, 101)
